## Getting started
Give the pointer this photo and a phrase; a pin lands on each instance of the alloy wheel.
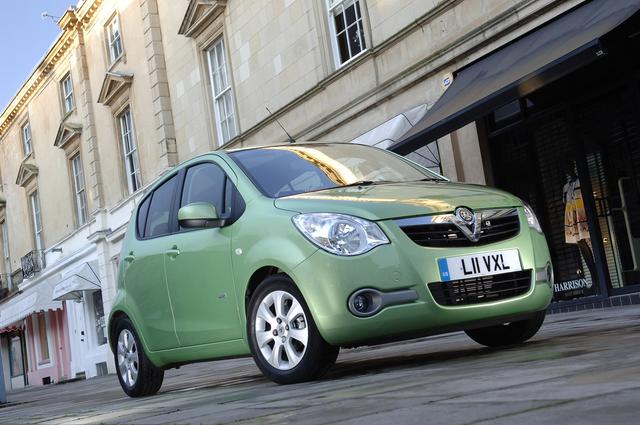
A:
(128, 361)
(281, 330)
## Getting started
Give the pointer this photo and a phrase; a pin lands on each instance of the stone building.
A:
(133, 87)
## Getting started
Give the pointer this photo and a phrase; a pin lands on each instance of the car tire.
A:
(137, 375)
(284, 340)
(508, 333)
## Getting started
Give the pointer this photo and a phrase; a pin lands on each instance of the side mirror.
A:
(199, 215)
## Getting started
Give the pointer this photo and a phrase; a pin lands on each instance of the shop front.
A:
(557, 118)
(574, 155)
(33, 331)
(80, 289)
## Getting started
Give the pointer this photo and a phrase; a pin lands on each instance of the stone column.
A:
(163, 115)
(89, 136)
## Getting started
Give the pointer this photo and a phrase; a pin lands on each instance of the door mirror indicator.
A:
(199, 215)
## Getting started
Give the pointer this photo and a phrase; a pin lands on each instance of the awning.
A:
(534, 60)
(390, 131)
(78, 279)
(34, 299)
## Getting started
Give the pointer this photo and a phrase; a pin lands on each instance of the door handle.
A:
(173, 252)
(129, 258)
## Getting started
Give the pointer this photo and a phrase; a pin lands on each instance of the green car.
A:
(290, 252)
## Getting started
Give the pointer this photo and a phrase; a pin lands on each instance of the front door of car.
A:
(143, 268)
(198, 265)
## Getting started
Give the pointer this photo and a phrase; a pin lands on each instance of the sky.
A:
(25, 38)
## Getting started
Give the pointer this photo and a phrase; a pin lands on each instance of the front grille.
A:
(492, 229)
(481, 289)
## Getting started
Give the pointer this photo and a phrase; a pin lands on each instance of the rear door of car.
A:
(144, 268)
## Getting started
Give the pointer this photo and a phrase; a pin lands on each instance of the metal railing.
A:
(32, 263)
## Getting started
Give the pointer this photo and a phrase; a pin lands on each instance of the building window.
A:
(129, 150)
(222, 92)
(114, 40)
(42, 338)
(27, 143)
(67, 94)
(346, 24)
(79, 189)
(34, 200)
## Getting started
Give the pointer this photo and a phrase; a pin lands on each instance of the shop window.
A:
(98, 311)
(347, 28)
(68, 102)
(27, 142)
(129, 150)
(114, 40)
(42, 339)
(222, 92)
(15, 357)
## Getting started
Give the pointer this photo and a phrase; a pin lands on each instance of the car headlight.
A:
(531, 218)
(340, 234)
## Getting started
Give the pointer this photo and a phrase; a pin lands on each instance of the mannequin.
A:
(576, 228)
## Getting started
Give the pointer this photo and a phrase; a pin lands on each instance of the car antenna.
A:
(291, 139)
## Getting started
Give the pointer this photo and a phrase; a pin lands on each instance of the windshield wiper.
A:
(366, 183)
(431, 179)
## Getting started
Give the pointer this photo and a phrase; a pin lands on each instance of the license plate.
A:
(476, 265)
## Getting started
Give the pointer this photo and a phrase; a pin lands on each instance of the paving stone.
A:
(582, 368)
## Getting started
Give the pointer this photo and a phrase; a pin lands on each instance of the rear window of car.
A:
(158, 217)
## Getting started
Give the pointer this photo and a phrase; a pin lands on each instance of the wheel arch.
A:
(115, 317)
(257, 277)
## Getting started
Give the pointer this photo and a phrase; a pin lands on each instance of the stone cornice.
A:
(199, 14)
(112, 85)
(28, 170)
(72, 21)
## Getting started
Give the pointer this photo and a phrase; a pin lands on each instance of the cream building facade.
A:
(133, 87)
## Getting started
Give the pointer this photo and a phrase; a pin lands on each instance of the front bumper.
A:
(327, 281)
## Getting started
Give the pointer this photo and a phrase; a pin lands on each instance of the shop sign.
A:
(572, 285)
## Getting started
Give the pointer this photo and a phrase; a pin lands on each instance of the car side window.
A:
(206, 183)
(142, 216)
(158, 217)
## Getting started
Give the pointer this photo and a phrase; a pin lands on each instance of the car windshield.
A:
(288, 170)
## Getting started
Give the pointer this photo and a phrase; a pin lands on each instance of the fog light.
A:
(550, 276)
(360, 303)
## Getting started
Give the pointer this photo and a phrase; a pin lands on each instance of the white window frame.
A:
(27, 139)
(36, 215)
(114, 39)
(222, 92)
(68, 101)
(129, 150)
(334, 8)
(79, 189)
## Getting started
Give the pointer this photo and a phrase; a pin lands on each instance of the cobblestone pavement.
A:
(582, 368)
